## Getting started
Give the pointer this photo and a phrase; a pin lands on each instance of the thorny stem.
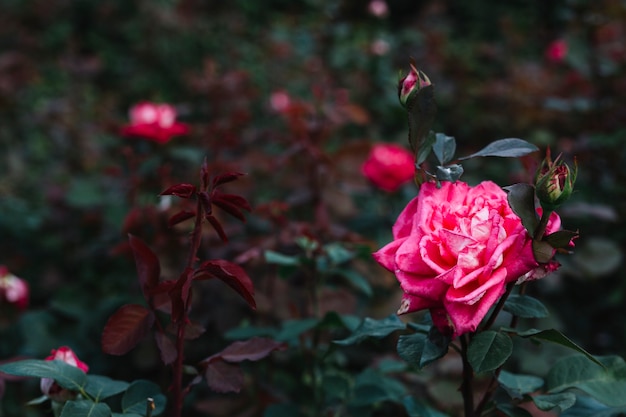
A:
(468, 376)
(177, 384)
(493, 384)
(543, 223)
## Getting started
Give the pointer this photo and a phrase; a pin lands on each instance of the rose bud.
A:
(13, 290)
(411, 84)
(554, 182)
(49, 387)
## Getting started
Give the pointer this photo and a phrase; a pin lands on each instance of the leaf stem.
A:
(543, 223)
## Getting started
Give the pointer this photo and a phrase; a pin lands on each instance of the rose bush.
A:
(389, 166)
(153, 121)
(49, 387)
(455, 249)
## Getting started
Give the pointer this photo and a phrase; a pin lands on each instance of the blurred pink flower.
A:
(556, 51)
(13, 290)
(389, 166)
(49, 387)
(155, 122)
(378, 8)
(280, 101)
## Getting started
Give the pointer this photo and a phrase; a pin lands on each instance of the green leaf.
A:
(542, 251)
(372, 386)
(562, 401)
(355, 279)
(507, 148)
(555, 336)
(292, 329)
(101, 387)
(449, 173)
(518, 385)
(606, 383)
(420, 349)
(272, 257)
(587, 406)
(338, 253)
(521, 198)
(373, 328)
(282, 410)
(426, 148)
(489, 350)
(85, 409)
(444, 148)
(421, 109)
(512, 411)
(560, 239)
(67, 376)
(525, 306)
(135, 399)
(415, 409)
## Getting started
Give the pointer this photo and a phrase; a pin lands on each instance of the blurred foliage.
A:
(71, 187)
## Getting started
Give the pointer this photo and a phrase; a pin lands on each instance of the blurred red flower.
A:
(155, 122)
(389, 166)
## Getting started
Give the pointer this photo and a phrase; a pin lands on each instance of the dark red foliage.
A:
(148, 267)
(180, 295)
(181, 190)
(222, 376)
(180, 217)
(232, 274)
(126, 328)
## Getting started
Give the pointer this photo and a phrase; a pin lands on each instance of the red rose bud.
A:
(411, 84)
(49, 387)
(389, 166)
(13, 290)
(554, 182)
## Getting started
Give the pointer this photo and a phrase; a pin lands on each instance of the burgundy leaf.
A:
(163, 287)
(217, 226)
(125, 328)
(179, 295)
(235, 199)
(233, 275)
(181, 190)
(224, 178)
(147, 263)
(166, 347)
(192, 330)
(251, 349)
(223, 377)
(229, 208)
(180, 217)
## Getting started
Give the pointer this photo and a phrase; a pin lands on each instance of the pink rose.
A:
(13, 290)
(153, 121)
(389, 166)
(49, 387)
(454, 250)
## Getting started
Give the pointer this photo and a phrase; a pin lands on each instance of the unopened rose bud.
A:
(49, 387)
(554, 182)
(411, 84)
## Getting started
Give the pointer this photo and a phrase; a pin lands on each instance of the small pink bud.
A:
(411, 84)
(554, 182)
